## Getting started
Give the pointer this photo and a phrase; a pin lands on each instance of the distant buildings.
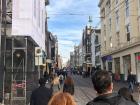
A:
(72, 59)
(87, 53)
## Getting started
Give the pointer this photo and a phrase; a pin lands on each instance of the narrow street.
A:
(84, 91)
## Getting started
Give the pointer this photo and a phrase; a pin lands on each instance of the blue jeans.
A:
(131, 86)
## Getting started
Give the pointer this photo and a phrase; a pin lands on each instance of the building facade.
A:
(76, 56)
(120, 38)
(72, 59)
(87, 53)
(80, 55)
(22, 30)
(59, 62)
(96, 45)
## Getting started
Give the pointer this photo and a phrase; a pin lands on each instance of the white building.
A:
(28, 19)
(96, 44)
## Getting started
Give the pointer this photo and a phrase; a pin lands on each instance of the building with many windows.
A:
(87, 53)
(120, 37)
(96, 46)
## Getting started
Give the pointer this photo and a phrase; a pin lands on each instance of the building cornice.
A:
(121, 49)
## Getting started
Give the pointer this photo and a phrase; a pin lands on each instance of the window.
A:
(110, 24)
(117, 17)
(97, 49)
(88, 49)
(108, 6)
(127, 7)
(128, 32)
(117, 1)
(42, 22)
(34, 8)
(105, 44)
(110, 39)
(118, 38)
(105, 30)
(97, 59)
(103, 13)
(39, 13)
(96, 40)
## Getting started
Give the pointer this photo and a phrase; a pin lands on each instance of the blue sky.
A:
(67, 19)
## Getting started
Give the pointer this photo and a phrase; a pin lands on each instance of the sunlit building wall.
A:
(120, 38)
(29, 20)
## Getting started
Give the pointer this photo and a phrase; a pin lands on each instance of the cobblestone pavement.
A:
(84, 91)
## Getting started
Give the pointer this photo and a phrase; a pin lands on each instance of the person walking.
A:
(41, 95)
(62, 98)
(0, 100)
(55, 84)
(61, 78)
(103, 85)
(68, 85)
(46, 76)
(130, 80)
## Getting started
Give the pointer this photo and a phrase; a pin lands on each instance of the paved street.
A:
(84, 90)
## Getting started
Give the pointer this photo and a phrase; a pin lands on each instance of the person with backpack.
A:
(103, 85)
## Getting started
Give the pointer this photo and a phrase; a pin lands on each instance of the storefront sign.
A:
(107, 58)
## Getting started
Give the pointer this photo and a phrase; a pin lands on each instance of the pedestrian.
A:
(117, 77)
(0, 100)
(61, 78)
(68, 85)
(103, 85)
(55, 84)
(62, 98)
(46, 76)
(130, 80)
(41, 95)
(125, 93)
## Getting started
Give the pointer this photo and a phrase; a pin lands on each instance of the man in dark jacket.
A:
(0, 100)
(102, 83)
(41, 95)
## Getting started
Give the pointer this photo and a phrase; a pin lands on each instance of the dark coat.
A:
(0, 99)
(41, 96)
(110, 99)
(131, 78)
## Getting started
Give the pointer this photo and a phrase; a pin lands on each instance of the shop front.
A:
(126, 65)
(137, 59)
(107, 62)
(117, 75)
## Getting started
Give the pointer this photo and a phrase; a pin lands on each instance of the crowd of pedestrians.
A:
(102, 82)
